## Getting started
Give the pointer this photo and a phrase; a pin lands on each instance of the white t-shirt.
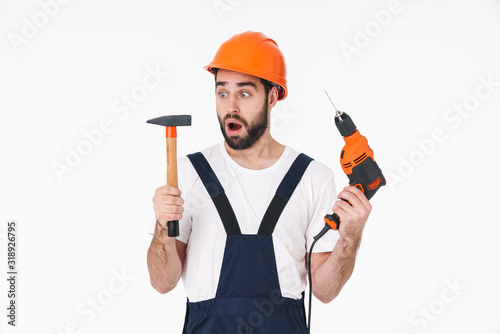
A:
(250, 192)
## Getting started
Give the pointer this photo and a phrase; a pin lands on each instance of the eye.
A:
(244, 94)
(222, 94)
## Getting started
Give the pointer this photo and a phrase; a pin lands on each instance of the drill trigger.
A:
(360, 187)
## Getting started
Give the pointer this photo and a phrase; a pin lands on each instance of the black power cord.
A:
(316, 238)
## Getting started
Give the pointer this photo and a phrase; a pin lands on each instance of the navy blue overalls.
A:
(248, 297)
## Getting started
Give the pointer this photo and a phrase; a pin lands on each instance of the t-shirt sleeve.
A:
(185, 173)
(324, 196)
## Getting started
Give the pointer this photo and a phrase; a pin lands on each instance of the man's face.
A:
(242, 108)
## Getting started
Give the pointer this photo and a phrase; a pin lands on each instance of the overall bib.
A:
(248, 297)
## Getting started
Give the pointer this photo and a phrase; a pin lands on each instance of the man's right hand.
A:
(167, 203)
(166, 255)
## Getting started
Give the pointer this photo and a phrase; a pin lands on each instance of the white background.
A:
(435, 225)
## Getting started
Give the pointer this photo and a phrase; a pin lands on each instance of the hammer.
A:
(171, 122)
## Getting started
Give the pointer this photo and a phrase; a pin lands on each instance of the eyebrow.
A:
(239, 84)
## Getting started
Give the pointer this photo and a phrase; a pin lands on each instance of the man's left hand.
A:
(353, 215)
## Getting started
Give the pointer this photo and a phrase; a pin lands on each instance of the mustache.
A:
(236, 117)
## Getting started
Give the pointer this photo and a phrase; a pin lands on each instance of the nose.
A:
(232, 106)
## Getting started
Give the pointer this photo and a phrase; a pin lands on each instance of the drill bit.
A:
(337, 112)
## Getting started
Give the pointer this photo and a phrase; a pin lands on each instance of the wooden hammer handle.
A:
(172, 161)
(173, 225)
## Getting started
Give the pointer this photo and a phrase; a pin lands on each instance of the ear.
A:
(273, 97)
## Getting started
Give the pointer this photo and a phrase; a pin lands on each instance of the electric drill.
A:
(357, 161)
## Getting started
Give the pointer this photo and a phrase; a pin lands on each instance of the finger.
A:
(339, 210)
(359, 195)
(161, 190)
(168, 199)
(350, 197)
(356, 207)
(168, 190)
(343, 205)
(167, 208)
(343, 216)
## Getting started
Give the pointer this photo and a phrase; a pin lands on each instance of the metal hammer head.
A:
(171, 122)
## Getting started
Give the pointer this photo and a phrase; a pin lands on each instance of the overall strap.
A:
(216, 192)
(283, 194)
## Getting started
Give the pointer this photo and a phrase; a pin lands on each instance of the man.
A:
(253, 207)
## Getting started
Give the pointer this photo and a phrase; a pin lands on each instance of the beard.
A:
(255, 130)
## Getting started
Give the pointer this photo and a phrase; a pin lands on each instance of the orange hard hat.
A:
(253, 53)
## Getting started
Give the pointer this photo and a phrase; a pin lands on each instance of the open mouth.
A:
(233, 127)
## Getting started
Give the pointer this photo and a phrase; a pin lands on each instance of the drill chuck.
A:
(345, 124)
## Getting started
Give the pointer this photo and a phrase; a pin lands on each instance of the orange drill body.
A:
(355, 150)
(357, 161)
